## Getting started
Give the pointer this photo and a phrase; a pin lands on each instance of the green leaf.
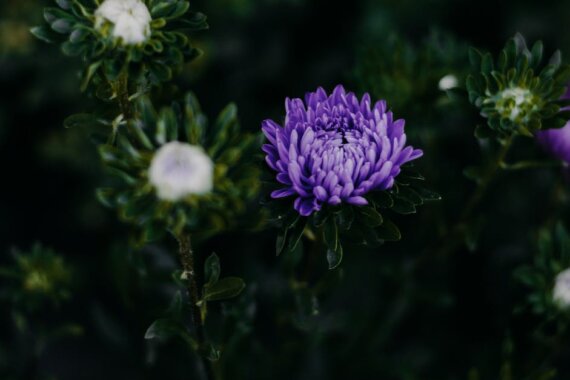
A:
(45, 34)
(165, 328)
(176, 305)
(192, 22)
(487, 64)
(63, 26)
(475, 58)
(403, 206)
(181, 8)
(106, 196)
(331, 234)
(166, 126)
(388, 231)
(78, 35)
(224, 128)
(334, 256)
(345, 217)
(295, 233)
(195, 121)
(163, 9)
(280, 242)
(383, 199)
(410, 195)
(428, 195)
(536, 54)
(146, 111)
(52, 14)
(82, 120)
(88, 74)
(65, 4)
(136, 128)
(370, 216)
(160, 72)
(212, 269)
(225, 288)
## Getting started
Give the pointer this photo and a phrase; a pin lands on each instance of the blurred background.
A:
(76, 299)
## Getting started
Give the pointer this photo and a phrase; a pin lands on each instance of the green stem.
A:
(487, 179)
(189, 275)
(121, 88)
(455, 240)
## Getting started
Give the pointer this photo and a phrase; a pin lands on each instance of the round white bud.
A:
(561, 293)
(448, 82)
(130, 20)
(179, 169)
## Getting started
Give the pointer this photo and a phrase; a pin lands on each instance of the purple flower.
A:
(335, 149)
(557, 141)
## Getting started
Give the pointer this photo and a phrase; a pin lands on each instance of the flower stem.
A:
(121, 88)
(486, 180)
(458, 233)
(189, 274)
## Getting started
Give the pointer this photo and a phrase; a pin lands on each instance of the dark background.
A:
(448, 318)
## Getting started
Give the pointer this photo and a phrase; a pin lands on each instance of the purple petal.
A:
(282, 193)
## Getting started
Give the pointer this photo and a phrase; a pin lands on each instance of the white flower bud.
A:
(448, 82)
(561, 292)
(179, 169)
(130, 20)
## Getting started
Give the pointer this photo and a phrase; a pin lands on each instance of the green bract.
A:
(73, 24)
(129, 158)
(38, 276)
(367, 225)
(518, 93)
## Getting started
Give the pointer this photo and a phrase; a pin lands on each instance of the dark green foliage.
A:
(366, 225)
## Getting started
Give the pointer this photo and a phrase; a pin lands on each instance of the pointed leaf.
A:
(225, 288)
(212, 269)
(334, 256)
(165, 328)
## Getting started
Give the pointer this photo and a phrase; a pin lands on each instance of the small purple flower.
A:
(557, 141)
(335, 149)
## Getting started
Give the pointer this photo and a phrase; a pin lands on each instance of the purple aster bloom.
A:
(335, 149)
(557, 141)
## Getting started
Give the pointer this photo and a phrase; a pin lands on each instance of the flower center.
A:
(515, 104)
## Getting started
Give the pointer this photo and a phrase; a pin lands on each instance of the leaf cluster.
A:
(129, 154)
(72, 25)
(518, 93)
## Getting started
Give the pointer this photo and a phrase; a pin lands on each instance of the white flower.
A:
(130, 20)
(561, 292)
(448, 82)
(180, 169)
(514, 103)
